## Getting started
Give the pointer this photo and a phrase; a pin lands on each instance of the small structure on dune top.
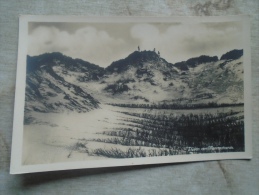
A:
(154, 50)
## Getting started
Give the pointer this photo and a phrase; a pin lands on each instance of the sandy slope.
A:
(54, 137)
(63, 137)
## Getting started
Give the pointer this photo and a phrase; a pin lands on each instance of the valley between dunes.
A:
(65, 137)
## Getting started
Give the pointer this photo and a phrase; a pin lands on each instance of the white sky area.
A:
(102, 43)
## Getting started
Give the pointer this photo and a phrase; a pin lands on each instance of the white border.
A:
(17, 168)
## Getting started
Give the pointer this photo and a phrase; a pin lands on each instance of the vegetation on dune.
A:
(177, 105)
(136, 152)
(184, 134)
(118, 153)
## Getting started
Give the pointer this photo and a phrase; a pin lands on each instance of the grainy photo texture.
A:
(101, 90)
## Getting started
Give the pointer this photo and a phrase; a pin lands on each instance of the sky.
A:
(103, 43)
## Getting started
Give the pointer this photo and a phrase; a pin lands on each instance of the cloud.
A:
(180, 42)
(144, 30)
(87, 43)
(102, 43)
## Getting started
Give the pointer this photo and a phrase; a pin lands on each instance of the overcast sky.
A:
(102, 43)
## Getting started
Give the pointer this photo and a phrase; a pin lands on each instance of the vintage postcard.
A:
(119, 91)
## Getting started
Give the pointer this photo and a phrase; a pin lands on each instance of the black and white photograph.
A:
(107, 92)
